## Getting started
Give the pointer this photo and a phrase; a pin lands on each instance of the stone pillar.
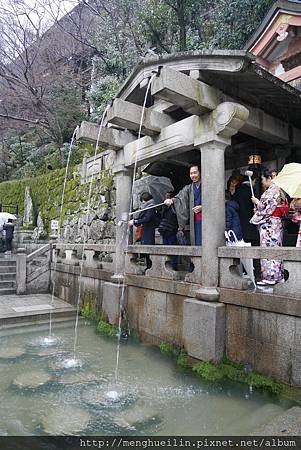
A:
(204, 329)
(21, 271)
(215, 135)
(213, 213)
(123, 180)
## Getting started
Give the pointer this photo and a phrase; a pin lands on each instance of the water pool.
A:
(151, 397)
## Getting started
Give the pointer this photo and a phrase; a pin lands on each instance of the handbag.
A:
(138, 233)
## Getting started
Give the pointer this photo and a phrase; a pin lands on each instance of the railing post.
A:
(21, 271)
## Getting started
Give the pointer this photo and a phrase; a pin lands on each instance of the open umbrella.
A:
(156, 186)
(289, 179)
(4, 216)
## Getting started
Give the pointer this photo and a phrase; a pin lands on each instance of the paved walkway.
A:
(32, 308)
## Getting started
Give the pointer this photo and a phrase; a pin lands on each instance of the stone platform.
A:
(29, 309)
(286, 424)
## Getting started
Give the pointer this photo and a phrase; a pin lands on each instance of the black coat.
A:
(232, 218)
(246, 210)
(169, 224)
(9, 231)
(148, 221)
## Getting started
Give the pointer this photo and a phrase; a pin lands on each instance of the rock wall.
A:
(46, 194)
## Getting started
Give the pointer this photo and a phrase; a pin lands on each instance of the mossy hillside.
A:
(46, 193)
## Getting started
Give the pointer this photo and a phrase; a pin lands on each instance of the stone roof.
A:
(233, 72)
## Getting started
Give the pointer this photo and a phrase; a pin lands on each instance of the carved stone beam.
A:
(174, 139)
(221, 124)
(191, 95)
(115, 139)
(128, 115)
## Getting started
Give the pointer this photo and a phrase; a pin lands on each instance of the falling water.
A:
(126, 230)
(51, 339)
(74, 362)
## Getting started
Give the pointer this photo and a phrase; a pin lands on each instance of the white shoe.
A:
(266, 283)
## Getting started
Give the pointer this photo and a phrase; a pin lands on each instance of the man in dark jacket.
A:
(9, 235)
(168, 228)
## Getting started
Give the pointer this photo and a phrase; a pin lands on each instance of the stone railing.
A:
(97, 256)
(189, 262)
(229, 258)
(32, 271)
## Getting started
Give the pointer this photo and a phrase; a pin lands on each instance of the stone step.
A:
(7, 262)
(7, 276)
(5, 284)
(4, 291)
(37, 317)
(7, 269)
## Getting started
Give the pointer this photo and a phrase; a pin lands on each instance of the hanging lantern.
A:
(254, 159)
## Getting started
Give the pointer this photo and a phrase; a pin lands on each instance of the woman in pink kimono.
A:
(269, 211)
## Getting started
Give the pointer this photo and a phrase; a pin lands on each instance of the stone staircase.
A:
(7, 276)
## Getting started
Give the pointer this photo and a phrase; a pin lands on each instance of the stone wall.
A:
(268, 341)
(266, 336)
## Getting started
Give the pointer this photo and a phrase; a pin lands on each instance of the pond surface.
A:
(152, 396)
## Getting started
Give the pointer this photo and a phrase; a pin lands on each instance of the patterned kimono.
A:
(270, 231)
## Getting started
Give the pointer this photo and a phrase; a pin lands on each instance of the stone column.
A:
(213, 211)
(21, 271)
(219, 127)
(123, 180)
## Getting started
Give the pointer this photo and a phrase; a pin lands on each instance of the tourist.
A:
(296, 207)
(168, 228)
(250, 233)
(147, 219)
(233, 183)
(9, 235)
(232, 216)
(188, 206)
(269, 211)
(243, 196)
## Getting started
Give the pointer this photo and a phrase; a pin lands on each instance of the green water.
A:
(155, 396)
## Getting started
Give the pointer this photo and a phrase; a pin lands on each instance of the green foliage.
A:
(101, 94)
(236, 372)
(207, 371)
(107, 329)
(167, 349)
(182, 359)
(265, 383)
(88, 306)
(232, 23)
(174, 351)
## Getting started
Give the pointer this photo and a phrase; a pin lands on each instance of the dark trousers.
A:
(198, 232)
(172, 240)
(8, 245)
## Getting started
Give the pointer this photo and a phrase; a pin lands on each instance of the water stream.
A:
(126, 229)
(51, 339)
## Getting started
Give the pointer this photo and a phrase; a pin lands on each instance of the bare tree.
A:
(40, 79)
